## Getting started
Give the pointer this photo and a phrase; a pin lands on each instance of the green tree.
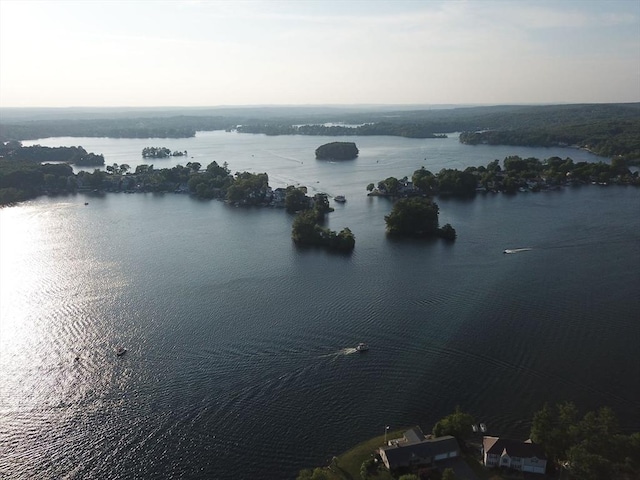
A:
(304, 227)
(423, 180)
(143, 169)
(389, 185)
(195, 166)
(321, 203)
(455, 182)
(345, 240)
(588, 466)
(413, 216)
(542, 427)
(459, 424)
(448, 474)
(295, 200)
(370, 187)
(96, 179)
(248, 188)
(315, 474)
(448, 232)
(217, 171)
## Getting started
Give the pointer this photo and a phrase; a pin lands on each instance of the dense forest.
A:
(606, 129)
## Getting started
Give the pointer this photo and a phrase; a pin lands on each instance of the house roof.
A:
(513, 448)
(414, 435)
(404, 454)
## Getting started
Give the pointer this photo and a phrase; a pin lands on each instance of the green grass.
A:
(347, 466)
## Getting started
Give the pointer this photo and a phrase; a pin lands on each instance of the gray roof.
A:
(414, 435)
(424, 451)
(513, 448)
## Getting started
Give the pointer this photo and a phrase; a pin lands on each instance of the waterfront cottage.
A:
(515, 454)
(415, 449)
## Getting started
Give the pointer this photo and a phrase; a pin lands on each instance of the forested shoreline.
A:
(604, 129)
(25, 178)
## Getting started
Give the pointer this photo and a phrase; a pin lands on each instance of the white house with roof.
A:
(515, 454)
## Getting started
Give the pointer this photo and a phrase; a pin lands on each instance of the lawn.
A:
(347, 466)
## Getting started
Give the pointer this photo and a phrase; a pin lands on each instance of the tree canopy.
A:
(415, 216)
(337, 151)
(592, 447)
(458, 424)
(307, 231)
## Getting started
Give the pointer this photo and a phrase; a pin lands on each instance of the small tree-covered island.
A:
(161, 152)
(417, 217)
(337, 151)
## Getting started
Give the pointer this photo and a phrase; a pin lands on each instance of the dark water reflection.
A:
(240, 358)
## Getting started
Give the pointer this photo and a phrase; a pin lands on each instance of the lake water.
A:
(240, 359)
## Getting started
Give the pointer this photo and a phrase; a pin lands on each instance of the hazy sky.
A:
(207, 53)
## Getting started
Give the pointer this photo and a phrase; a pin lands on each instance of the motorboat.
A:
(120, 351)
(362, 347)
(339, 198)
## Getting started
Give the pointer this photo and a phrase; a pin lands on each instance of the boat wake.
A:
(516, 250)
(341, 352)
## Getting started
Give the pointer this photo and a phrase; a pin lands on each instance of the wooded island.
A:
(337, 151)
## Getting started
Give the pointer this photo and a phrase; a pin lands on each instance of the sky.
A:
(306, 52)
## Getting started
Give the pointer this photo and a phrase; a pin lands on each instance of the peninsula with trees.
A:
(515, 175)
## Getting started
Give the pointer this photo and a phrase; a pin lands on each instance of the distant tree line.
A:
(607, 138)
(605, 129)
(38, 154)
(157, 127)
(409, 130)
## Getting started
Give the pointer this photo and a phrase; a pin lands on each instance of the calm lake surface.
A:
(240, 359)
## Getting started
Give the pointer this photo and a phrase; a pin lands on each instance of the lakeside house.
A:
(515, 454)
(416, 449)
